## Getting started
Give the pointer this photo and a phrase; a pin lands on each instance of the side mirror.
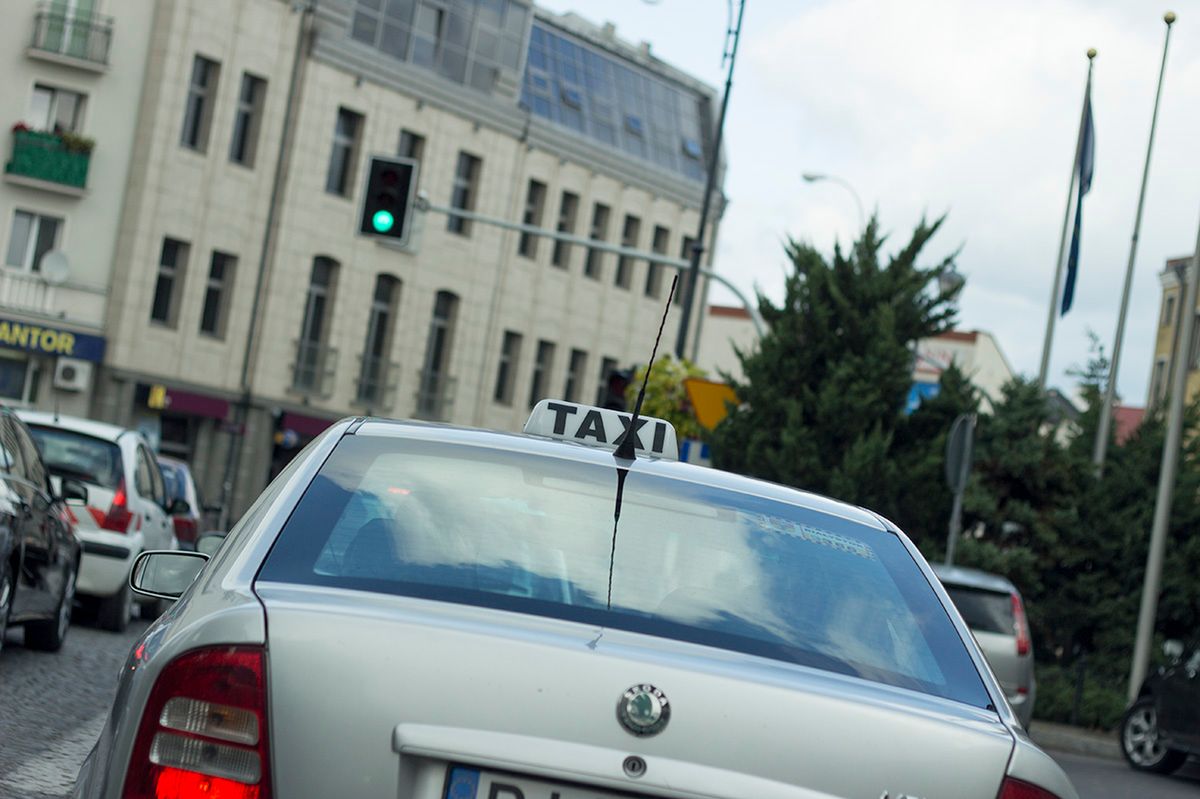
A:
(208, 543)
(73, 489)
(165, 574)
(1173, 650)
(179, 507)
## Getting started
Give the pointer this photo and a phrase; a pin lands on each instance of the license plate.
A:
(470, 783)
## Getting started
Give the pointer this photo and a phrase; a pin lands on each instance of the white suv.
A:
(127, 510)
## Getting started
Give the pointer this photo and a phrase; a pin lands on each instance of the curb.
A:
(1074, 740)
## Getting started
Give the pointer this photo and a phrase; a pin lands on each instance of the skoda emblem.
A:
(643, 710)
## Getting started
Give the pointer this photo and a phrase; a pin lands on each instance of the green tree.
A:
(825, 389)
(666, 396)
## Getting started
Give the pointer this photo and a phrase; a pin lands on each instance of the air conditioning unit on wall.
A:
(72, 374)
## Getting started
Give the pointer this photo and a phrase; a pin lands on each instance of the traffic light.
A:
(387, 200)
(614, 389)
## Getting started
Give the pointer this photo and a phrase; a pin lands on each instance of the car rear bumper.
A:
(107, 559)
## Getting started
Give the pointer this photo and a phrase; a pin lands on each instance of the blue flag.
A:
(1087, 155)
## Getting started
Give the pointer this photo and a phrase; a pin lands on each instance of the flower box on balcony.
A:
(49, 157)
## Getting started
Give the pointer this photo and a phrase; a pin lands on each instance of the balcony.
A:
(25, 291)
(376, 382)
(77, 39)
(435, 396)
(313, 369)
(51, 161)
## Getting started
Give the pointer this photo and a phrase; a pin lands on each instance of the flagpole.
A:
(1101, 448)
(1062, 241)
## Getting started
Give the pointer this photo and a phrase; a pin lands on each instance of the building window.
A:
(685, 252)
(462, 197)
(373, 374)
(344, 152)
(56, 110)
(542, 364)
(1158, 386)
(575, 369)
(1168, 317)
(201, 91)
(216, 293)
(412, 145)
(629, 238)
(535, 201)
(172, 262)
(595, 258)
(568, 209)
(311, 352)
(244, 143)
(433, 395)
(32, 236)
(607, 367)
(18, 377)
(662, 238)
(506, 373)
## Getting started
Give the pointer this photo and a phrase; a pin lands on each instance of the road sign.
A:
(709, 400)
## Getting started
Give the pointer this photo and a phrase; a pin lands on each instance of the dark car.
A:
(1162, 727)
(39, 552)
(180, 484)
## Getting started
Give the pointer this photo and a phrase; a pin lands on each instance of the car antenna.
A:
(625, 450)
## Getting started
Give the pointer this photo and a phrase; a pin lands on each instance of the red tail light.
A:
(203, 733)
(185, 528)
(118, 516)
(1016, 789)
(1020, 626)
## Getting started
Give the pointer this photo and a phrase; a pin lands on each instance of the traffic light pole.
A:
(710, 186)
(679, 264)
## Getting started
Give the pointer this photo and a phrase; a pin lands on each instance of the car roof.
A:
(110, 432)
(555, 448)
(169, 461)
(973, 578)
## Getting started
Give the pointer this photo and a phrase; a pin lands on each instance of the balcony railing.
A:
(24, 291)
(376, 382)
(435, 396)
(50, 157)
(314, 368)
(80, 38)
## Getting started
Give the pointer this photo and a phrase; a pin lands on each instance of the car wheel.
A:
(1140, 741)
(116, 610)
(48, 635)
(6, 592)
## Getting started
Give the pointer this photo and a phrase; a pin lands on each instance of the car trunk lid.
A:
(377, 695)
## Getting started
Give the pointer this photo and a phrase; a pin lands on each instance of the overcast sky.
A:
(964, 107)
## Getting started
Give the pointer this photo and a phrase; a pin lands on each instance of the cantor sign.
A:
(50, 340)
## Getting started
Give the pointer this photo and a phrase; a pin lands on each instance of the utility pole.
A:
(714, 158)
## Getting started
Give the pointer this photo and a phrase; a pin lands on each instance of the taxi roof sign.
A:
(602, 427)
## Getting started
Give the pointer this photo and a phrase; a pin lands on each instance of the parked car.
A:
(39, 553)
(181, 486)
(432, 611)
(127, 509)
(993, 609)
(1162, 727)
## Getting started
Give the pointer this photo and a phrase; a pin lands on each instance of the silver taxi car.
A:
(429, 612)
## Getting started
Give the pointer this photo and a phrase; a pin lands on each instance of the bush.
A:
(1102, 704)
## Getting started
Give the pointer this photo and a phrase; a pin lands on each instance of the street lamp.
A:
(950, 280)
(814, 177)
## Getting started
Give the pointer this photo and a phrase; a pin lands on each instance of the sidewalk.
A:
(1076, 740)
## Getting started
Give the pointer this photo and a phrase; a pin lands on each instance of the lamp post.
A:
(816, 177)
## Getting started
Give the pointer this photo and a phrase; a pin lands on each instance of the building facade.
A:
(975, 352)
(246, 313)
(71, 79)
(1167, 345)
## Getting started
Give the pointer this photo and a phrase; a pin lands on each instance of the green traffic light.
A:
(383, 221)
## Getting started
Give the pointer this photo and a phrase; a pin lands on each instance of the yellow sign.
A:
(709, 400)
(157, 398)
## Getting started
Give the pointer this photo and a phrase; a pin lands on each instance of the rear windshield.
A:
(70, 454)
(982, 610)
(534, 534)
(174, 478)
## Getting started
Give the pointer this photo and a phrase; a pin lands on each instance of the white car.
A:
(126, 511)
